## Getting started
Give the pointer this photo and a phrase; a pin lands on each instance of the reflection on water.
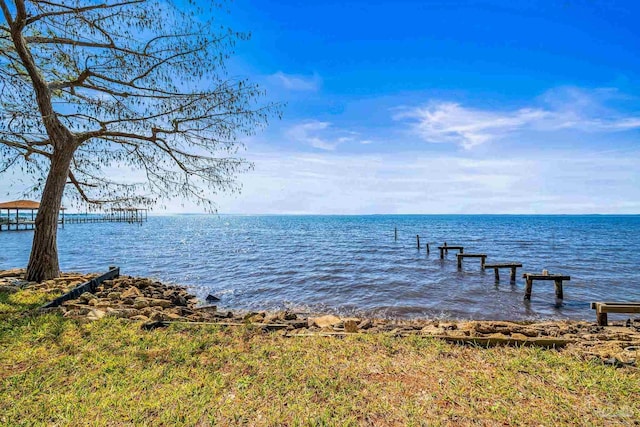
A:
(352, 265)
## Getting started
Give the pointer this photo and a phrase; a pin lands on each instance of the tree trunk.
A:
(43, 263)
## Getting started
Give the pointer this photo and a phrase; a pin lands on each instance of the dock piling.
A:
(396, 233)
(418, 241)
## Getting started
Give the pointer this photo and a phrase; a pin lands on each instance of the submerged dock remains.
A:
(557, 278)
(511, 265)
(602, 308)
(446, 248)
(461, 256)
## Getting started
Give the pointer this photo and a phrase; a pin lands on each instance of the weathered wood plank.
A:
(630, 308)
(89, 286)
(593, 304)
(538, 276)
(504, 265)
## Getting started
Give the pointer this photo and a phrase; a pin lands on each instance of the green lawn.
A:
(110, 372)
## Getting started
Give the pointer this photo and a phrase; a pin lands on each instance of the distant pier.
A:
(19, 215)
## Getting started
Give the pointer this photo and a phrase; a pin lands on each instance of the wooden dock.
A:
(20, 215)
(130, 216)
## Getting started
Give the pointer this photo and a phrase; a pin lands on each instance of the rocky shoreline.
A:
(154, 304)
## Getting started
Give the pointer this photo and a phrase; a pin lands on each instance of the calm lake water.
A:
(352, 265)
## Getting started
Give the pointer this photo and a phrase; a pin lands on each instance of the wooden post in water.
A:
(446, 250)
(418, 241)
(427, 249)
(396, 233)
(559, 289)
(527, 289)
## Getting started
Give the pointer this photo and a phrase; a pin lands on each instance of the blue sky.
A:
(442, 107)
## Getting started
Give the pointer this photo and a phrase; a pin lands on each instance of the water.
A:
(352, 265)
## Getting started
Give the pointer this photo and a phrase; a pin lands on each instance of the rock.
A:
(95, 314)
(365, 324)
(195, 318)
(297, 323)
(254, 317)
(140, 317)
(71, 304)
(325, 321)
(157, 316)
(207, 308)
(132, 292)
(184, 311)
(8, 289)
(179, 300)
(211, 298)
(86, 297)
(350, 325)
(156, 302)
(287, 315)
(271, 318)
(148, 311)
(140, 302)
(76, 313)
(174, 316)
(114, 295)
(519, 336)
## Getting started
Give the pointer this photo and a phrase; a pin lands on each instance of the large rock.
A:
(132, 292)
(114, 295)
(325, 321)
(9, 289)
(140, 302)
(95, 314)
(157, 302)
(365, 324)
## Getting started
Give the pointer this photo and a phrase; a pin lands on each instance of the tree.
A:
(90, 87)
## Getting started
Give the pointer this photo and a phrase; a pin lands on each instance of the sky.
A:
(433, 106)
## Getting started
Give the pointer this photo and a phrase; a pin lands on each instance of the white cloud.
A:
(568, 108)
(323, 135)
(450, 122)
(296, 82)
(333, 183)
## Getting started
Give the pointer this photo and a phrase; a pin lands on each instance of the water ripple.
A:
(352, 265)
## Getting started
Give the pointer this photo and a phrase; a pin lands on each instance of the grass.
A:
(109, 372)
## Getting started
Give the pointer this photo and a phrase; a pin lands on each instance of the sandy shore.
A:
(155, 304)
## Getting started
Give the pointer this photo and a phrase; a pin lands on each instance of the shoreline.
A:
(154, 304)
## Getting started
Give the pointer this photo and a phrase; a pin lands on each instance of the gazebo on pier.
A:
(20, 215)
